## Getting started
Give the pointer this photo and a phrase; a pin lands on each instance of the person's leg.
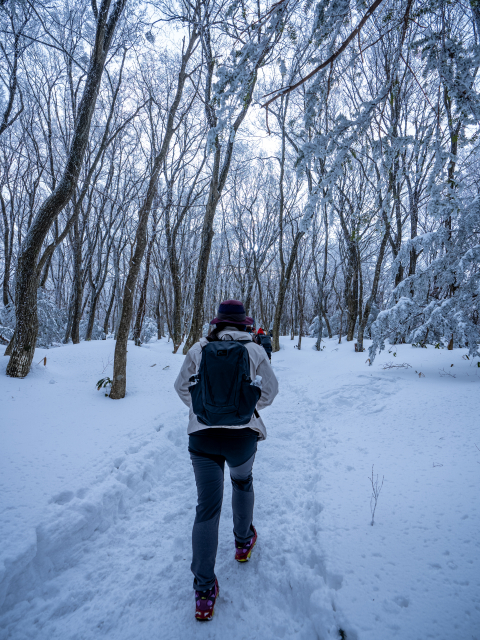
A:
(242, 500)
(239, 453)
(209, 480)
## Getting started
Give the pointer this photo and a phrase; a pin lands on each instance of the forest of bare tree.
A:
(316, 159)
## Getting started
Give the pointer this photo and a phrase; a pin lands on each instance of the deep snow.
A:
(97, 501)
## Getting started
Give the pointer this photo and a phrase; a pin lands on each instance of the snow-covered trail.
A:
(133, 580)
(112, 556)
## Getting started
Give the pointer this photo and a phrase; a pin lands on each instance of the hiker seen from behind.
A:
(265, 341)
(225, 380)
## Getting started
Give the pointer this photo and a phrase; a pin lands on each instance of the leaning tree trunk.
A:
(26, 329)
(119, 385)
(283, 290)
(202, 268)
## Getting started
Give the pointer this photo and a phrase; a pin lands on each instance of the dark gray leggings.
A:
(209, 449)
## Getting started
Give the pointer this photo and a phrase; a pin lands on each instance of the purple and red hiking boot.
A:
(243, 550)
(205, 602)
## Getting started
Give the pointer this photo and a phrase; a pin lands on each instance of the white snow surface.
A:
(97, 500)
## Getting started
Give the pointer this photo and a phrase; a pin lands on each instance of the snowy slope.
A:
(98, 497)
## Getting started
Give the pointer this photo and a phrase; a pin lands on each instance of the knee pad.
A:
(243, 484)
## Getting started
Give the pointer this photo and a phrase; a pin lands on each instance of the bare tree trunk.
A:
(158, 316)
(325, 317)
(118, 295)
(292, 321)
(413, 234)
(300, 319)
(321, 286)
(120, 359)
(202, 268)
(109, 310)
(26, 329)
(373, 294)
(282, 291)
(167, 316)
(7, 252)
(219, 177)
(78, 284)
(351, 289)
(119, 384)
(142, 304)
(68, 330)
(91, 315)
(174, 270)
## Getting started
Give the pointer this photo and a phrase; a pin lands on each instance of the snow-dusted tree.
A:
(253, 30)
(105, 20)
(160, 143)
(440, 297)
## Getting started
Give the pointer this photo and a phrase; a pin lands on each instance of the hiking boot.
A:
(205, 602)
(243, 550)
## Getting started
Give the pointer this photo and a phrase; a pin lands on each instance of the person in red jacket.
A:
(264, 341)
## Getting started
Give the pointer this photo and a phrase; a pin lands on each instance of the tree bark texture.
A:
(26, 328)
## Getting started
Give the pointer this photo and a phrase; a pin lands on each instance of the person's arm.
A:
(189, 369)
(269, 383)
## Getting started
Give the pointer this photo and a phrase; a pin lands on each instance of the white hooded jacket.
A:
(259, 365)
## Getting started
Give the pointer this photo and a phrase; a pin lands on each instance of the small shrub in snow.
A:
(51, 321)
(376, 489)
(97, 331)
(314, 328)
(104, 383)
(149, 329)
(444, 373)
(391, 365)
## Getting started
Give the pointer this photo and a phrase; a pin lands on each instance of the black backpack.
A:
(266, 342)
(222, 393)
